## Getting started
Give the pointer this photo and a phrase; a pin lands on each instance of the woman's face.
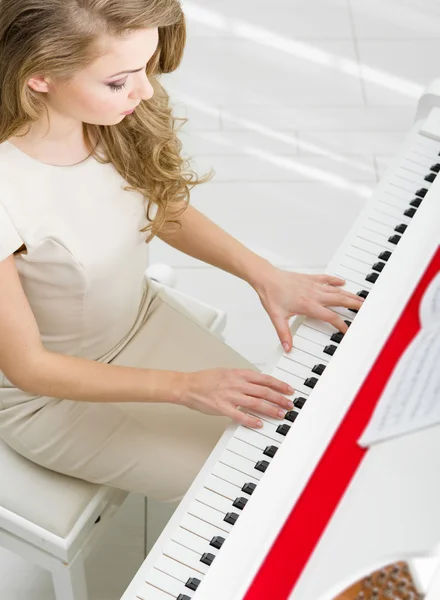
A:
(102, 92)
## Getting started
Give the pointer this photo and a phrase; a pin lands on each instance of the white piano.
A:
(297, 510)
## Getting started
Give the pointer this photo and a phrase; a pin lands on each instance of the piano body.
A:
(298, 510)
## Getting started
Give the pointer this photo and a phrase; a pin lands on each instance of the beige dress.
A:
(83, 275)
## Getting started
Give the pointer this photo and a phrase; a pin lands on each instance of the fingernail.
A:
(259, 423)
(290, 404)
(281, 413)
(290, 389)
(286, 346)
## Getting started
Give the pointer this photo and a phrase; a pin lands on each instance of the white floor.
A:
(297, 105)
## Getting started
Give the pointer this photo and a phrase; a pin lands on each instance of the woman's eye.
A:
(116, 87)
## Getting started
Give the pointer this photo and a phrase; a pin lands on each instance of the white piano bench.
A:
(53, 520)
(211, 318)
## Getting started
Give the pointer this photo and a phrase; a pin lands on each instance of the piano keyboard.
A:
(205, 518)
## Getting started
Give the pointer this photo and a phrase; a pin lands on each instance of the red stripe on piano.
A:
(300, 534)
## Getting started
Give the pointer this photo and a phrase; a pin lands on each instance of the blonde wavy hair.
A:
(57, 38)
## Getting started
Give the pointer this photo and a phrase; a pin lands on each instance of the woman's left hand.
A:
(285, 294)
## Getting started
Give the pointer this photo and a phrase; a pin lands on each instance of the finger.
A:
(257, 407)
(330, 290)
(329, 316)
(243, 418)
(329, 279)
(260, 392)
(270, 382)
(341, 300)
(282, 328)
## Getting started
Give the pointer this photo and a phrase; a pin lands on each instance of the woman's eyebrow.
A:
(123, 72)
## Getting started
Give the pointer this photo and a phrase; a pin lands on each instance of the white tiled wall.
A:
(298, 106)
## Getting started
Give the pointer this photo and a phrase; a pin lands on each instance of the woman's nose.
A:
(143, 89)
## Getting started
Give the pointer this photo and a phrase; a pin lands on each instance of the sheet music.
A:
(411, 398)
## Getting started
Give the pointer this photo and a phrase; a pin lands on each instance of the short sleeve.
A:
(10, 240)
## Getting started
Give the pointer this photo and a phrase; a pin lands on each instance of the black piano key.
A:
(207, 558)
(330, 349)
(337, 337)
(410, 212)
(192, 583)
(239, 503)
(362, 293)
(378, 266)
(248, 488)
(394, 239)
(430, 177)
(416, 202)
(422, 192)
(311, 382)
(435, 168)
(261, 465)
(299, 402)
(401, 228)
(270, 451)
(217, 542)
(372, 277)
(386, 255)
(183, 597)
(318, 369)
(231, 518)
(291, 415)
(283, 429)
(347, 322)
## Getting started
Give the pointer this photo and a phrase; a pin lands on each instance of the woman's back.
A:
(84, 255)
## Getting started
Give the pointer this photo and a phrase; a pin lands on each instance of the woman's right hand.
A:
(222, 391)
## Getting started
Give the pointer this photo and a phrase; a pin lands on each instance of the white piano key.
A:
(244, 449)
(428, 145)
(305, 359)
(268, 431)
(372, 248)
(384, 221)
(360, 268)
(409, 186)
(411, 177)
(192, 541)
(320, 326)
(252, 436)
(383, 228)
(421, 159)
(232, 475)
(149, 592)
(396, 212)
(164, 581)
(188, 558)
(314, 348)
(373, 232)
(275, 422)
(210, 515)
(294, 368)
(174, 568)
(296, 382)
(397, 193)
(354, 276)
(420, 170)
(220, 503)
(311, 334)
(200, 527)
(226, 489)
(364, 257)
(240, 463)
(381, 241)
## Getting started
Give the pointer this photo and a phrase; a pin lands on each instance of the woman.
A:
(99, 369)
